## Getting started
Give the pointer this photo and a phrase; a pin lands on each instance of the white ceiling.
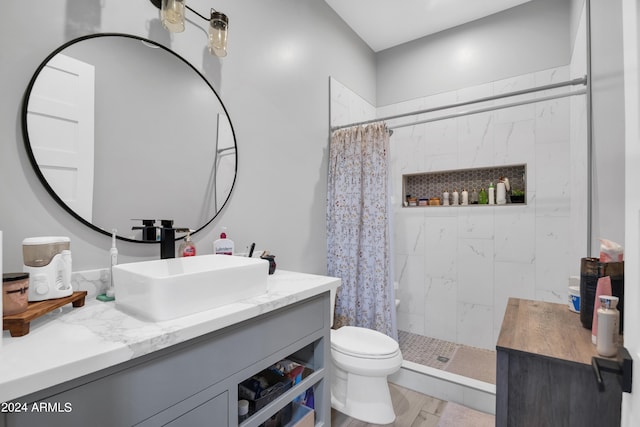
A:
(386, 23)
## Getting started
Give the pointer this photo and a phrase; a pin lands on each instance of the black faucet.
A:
(168, 238)
(148, 229)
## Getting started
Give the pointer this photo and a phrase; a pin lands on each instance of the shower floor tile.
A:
(471, 362)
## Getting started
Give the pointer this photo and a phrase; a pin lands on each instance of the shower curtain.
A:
(358, 227)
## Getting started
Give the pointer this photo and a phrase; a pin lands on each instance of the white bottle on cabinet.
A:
(608, 321)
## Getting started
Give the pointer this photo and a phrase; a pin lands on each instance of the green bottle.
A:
(482, 197)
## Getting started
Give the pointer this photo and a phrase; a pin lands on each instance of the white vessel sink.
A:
(169, 288)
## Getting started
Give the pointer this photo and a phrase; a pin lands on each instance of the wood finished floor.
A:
(412, 409)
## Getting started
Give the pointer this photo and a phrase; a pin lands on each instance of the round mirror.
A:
(119, 129)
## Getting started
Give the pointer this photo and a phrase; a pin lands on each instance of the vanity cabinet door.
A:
(213, 412)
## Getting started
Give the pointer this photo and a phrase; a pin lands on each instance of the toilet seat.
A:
(363, 343)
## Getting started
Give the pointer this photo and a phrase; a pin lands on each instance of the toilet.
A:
(362, 359)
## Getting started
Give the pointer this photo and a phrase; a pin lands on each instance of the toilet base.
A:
(364, 398)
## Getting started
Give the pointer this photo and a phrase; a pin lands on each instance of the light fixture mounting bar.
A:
(158, 4)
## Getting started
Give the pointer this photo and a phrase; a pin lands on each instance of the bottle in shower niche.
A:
(445, 198)
(492, 194)
(456, 197)
(482, 197)
(608, 321)
(473, 197)
(465, 198)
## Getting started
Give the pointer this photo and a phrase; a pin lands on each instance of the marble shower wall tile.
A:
(475, 141)
(553, 182)
(552, 263)
(348, 107)
(515, 143)
(475, 271)
(515, 234)
(518, 113)
(409, 231)
(441, 247)
(441, 304)
(475, 325)
(511, 279)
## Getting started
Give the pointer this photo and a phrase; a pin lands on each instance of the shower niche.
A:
(427, 189)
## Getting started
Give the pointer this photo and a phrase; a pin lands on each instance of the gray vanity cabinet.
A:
(194, 383)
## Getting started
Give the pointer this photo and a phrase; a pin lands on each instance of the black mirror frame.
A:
(36, 168)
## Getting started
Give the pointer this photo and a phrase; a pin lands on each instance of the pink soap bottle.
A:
(603, 288)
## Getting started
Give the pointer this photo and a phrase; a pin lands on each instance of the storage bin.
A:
(277, 385)
(302, 417)
(281, 418)
(591, 269)
(15, 293)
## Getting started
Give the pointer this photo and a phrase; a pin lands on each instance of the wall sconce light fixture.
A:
(172, 15)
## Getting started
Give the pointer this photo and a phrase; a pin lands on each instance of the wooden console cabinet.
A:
(544, 375)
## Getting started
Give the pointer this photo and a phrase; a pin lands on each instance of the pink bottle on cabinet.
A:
(603, 288)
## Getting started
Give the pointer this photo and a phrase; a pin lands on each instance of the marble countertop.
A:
(72, 342)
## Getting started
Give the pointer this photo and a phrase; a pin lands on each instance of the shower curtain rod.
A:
(574, 82)
(495, 107)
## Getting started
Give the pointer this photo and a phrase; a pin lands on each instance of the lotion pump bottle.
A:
(223, 246)
(187, 248)
(608, 320)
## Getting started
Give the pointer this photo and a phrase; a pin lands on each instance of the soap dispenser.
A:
(187, 248)
(223, 245)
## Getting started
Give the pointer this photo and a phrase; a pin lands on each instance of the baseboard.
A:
(443, 385)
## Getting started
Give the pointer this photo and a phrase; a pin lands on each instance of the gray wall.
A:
(520, 40)
(608, 121)
(275, 86)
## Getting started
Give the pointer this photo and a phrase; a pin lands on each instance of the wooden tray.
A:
(18, 324)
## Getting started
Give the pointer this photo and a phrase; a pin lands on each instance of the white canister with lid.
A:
(574, 299)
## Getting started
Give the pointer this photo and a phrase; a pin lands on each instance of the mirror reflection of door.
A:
(62, 104)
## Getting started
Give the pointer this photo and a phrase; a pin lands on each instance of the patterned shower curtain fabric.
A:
(358, 241)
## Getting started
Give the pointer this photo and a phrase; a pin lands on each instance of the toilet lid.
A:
(355, 341)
